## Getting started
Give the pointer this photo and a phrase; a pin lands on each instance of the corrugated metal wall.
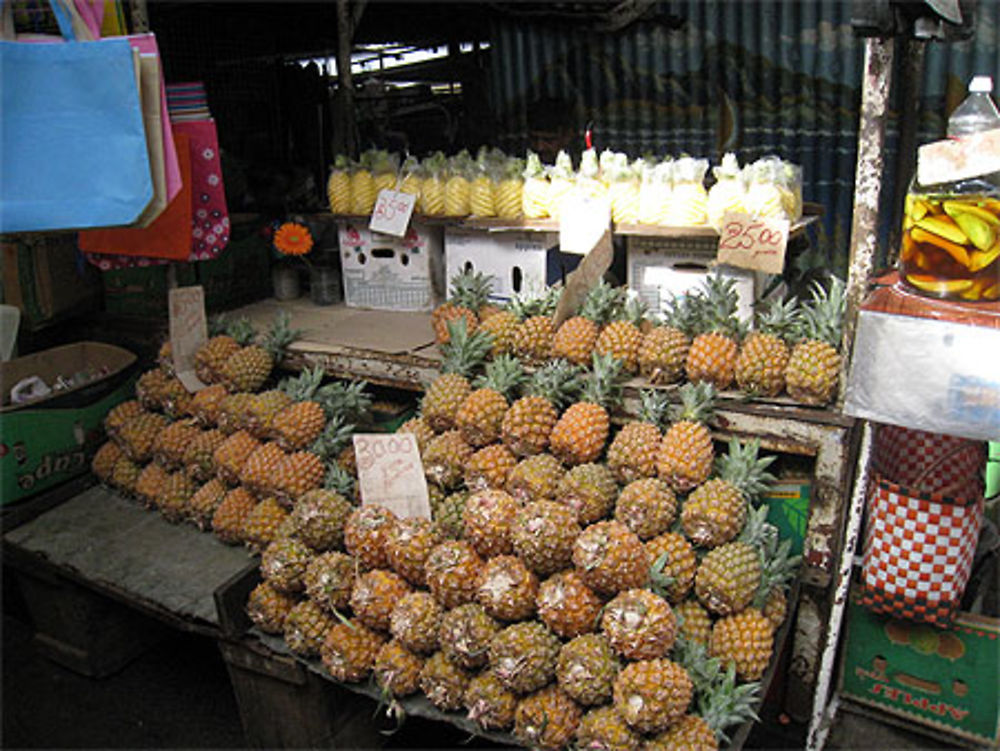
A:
(762, 77)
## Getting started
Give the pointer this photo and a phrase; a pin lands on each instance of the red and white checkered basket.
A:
(929, 462)
(918, 552)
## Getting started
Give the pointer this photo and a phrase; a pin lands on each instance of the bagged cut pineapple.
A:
(689, 198)
(457, 187)
(385, 170)
(535, 189)
(363, 191)
(656, 189)
(728, 193)
(338, 187)
(561, 182)
(588, 179)
(608, 163)
(507, 192)
(790, 185)
(623, 189)
(481, 191)
(412, 177)
(764, 198)
(432, 187)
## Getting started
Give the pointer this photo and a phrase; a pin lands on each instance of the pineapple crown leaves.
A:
(697, 402)
(693, 656)
(464, 351)
(339, 480)
(780, 318)
(603, 385)
(504, 374)
(654, 407)
(601, 302)
(280, 335)
(823, 315)
(744, 469)
(660, 582)
(779, 566)
(558, 381)
(345, 400)
(304, 386)
(218, 324)
(634, 310)
(682, 313)
(724, 704)
(717, 306)
(525, 306)
(471, 289)
(241, 330)
(335, 436)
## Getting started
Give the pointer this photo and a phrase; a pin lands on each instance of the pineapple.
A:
(586, 669)
(443, 683)
(138, 435)
(465, 635)
(175, 399)
(119, 415)
(227, 521)
(232, 454)
(363, 193)
(487, 520)
(639, 625)
(543, 534)
(715, 511)
(397, 670)
(632, 453)
(664, 348)
(760, 367)
(432, 188)
(268, 608)
(248, 367)
(713, 353)
(263, 408)
(260, 528)
(690, 733)
(125, 475)
(283, 564)
(610, 558)
(488, 703)
(574, 340)
(298, 421)
(457, 187)
(318, 518)
(590, 490)
(651, 695)
(233, 412)
(501, 327)
(295, 475)
(547, 719)
(365, 535)
(338, 185)
(447, 515)
(171, 442)
(535, 478)
(149, 483)
(535, 332)
(349, 651)
(259, 470)
(481, 415)
(508, 190)
(695, 623)
(329, 581)
(199, 455)
(149, 388)
(489, 468)
(685, 455)
(779, 568)
(673, 565)
(523, 656)
(730, 575)
(407, 545)
(469, 291)
(647, 507)
(175, 494)
(746, 639)
(415, 622)
(452, 573)
(104, 460)
(507, 589)
(580, 434)
(444, 397)
(528, 423)
(567, 605)
(225, 339)
(813, 369)
(603, 728)
(481, 191)
(445, 459)
(306, 626)
(622, 337)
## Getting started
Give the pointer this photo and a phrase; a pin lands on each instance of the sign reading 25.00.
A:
(753, 243)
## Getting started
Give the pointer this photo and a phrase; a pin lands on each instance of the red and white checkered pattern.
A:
(929, 462)
(918, 552)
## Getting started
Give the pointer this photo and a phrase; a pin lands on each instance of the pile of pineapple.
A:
(792, 348)
(245, 462)
(576, 584)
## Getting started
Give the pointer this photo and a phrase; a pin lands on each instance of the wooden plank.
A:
(231, 600)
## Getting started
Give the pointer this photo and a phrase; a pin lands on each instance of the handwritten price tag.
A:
(753, 243)
(392, 212)
(582, 221)
(188, 331)
(391, 474)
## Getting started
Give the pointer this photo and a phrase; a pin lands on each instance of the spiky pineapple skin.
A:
(574, 340)
(415, 621)
(260, 528)
(610, 558)
(465, 635)
(812, 372)
(590, 490)
(632, 453)
(646, 506)
(103, 462)
(713, 513)
(232, 454)
(523, 656)
(480, 417)
(533, 340)
(547, 719)
(489, 468)
(329, 580)
(488, 703)
(527, 425)
(452, 573)
(567, 605)
(747, 640)
(397, 669)
(712, 358)
(306, 627)
(662, 354)
(365, 533)
(349, 651)
(445, 458)
(543, 534)
(580, 434)
(535, 478)
(689, 733)
(603, 728)
(487, 520)
(679, 563)
(507, 589)
(298, 425)
(283, 564)
(760, 366)
(728, 578)
(443, 399)
(639, 625)
(149, 483)
(651, 695)
(685, 456)
(318, 519)
(586, 669)
(247, 368)
(227, 521)
(444, 683)
(502, 327)
(268, 608)
(695, 623)
(621, 339)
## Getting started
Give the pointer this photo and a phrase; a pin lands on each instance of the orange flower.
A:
(293, 239)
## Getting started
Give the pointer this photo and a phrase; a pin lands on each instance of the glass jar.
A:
(286, 282)
(324, 285)
(950, 247)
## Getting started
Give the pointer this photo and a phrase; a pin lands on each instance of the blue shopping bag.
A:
(72, 143)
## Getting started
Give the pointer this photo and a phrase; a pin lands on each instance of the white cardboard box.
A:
(392, 273)
(660, 268)
(520, 262)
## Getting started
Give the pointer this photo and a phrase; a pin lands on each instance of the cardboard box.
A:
(788, 509)
(944, 679)
(521, 262)
(50, 440)
(661, 268)
(392, 273)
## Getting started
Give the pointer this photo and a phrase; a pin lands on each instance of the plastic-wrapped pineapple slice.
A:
(363, 191)
(608, 163)
(535, 190)
(588, 180)
(432, 188)
(508, 190)
(729, 191)
(481, 201)
(458, 187)
(412, 177)
(689, 197)
(764, 198)
(656, 188)
(623, 189)
(790, 185)
(338, 187)
(561, 182)
(385, 170)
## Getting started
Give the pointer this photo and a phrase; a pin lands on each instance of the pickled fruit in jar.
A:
(951, 246)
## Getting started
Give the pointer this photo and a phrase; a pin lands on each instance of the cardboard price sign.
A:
(582, 221)
(392, 212)
(391, 474)
(750, 242)
(188, 331)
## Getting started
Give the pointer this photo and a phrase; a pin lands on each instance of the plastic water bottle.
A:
(977, 112)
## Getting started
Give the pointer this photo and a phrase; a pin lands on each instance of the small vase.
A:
(286, 283)
(324, 285)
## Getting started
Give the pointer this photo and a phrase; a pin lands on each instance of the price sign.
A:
(582, 221)
(392, 211)
(188, 331)
(753, 243)
(391, 474)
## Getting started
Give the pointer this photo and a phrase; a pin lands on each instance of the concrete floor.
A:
(177, 695)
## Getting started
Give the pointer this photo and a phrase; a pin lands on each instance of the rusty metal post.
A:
(867, 186)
